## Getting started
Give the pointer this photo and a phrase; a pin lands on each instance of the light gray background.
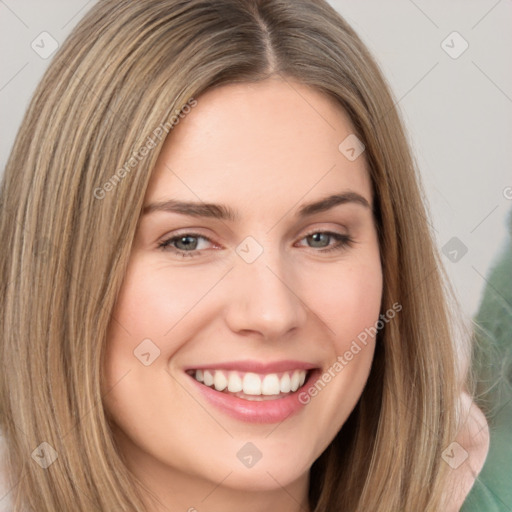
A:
(457, 111)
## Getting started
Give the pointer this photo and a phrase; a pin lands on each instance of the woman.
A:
(220, 288)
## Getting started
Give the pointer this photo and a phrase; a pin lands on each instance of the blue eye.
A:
(187, 242)
(184, 245)
(191, 244)
(320, 240)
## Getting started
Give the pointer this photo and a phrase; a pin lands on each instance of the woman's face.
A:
(255, 266)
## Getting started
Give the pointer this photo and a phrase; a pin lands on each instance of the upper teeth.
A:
(252, 383)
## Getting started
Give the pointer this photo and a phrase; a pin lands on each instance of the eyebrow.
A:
(223, 212)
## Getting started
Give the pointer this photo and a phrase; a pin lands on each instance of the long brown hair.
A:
(69, 215)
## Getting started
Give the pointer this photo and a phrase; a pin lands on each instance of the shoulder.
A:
(467, 456)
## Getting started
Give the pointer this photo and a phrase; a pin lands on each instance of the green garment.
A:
(492, 491)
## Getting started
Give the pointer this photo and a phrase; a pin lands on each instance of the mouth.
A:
(254, 392)
(250, 385)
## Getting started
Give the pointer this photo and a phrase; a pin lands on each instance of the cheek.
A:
(155, 314)
(147, 328)
(348, 303)
(153, 301)
(155, 304)
(347, 299)
(142, 315)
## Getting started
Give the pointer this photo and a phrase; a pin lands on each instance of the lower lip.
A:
(252, 411)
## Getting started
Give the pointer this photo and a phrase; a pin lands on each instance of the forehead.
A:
(274, 140)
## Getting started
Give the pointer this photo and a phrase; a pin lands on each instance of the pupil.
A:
(319, 239)
(188, 242)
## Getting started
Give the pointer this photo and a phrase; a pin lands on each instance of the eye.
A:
(186, 244)
(191, 244)
(323, 240)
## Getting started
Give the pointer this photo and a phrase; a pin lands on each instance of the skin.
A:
(264, 150)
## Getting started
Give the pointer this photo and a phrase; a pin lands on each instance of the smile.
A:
(253, 391)
(250, 385)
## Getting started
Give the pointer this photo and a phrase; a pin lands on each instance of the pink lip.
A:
(264, 411)
(256, 366)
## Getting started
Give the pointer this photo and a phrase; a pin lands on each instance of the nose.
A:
(263, 299)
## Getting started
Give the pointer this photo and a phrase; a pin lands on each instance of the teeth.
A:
(294, 385)
(285, 383)
(208, 378)
(219, 381)
(270, 385)
(234, 382)
(252, 384)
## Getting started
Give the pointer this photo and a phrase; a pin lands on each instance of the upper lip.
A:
(256, 366)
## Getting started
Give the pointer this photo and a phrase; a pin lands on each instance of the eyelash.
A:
(342, 242)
